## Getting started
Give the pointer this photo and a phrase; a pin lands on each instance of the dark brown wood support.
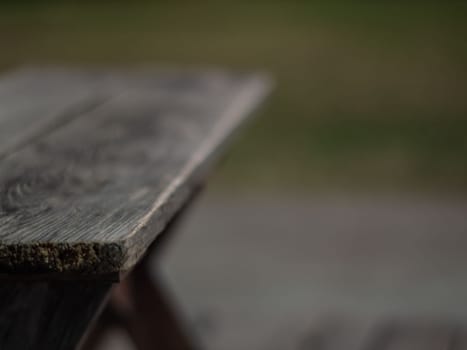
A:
(48, 315)
(141, 306)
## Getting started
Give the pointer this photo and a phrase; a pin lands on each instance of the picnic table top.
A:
(93, 164)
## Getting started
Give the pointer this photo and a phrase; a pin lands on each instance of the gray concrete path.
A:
(282, 272)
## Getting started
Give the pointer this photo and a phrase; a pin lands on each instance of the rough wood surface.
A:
(32, 103)
(90, 195)
(48, 315)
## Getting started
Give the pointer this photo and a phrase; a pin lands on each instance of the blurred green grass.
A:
(369, 94)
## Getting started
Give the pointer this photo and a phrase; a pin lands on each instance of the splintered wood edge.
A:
(111, 260)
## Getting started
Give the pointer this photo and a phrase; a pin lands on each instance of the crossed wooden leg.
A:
(44, 315)
(140, 306)
(54, 314)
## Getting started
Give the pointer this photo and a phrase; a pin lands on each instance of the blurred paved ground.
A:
(324, 272)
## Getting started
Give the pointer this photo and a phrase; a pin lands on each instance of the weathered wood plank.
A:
(48, 315)
(89, 197)
(32, 103)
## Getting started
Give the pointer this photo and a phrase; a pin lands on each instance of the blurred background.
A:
(340, 213)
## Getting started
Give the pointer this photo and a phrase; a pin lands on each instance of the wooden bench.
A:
(94, 166)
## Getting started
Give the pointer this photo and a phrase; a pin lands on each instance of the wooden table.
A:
(94, 166)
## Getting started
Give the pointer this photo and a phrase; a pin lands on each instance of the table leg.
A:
(140, 306)
(48, 315)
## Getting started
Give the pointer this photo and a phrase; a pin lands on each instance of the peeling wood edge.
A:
(87, 259)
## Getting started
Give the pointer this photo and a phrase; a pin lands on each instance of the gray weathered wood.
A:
(32, 103)
(90, 195)
(48, 315)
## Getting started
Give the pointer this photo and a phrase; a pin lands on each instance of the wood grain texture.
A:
(90, 196)
(48, 315)
(32, 103)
